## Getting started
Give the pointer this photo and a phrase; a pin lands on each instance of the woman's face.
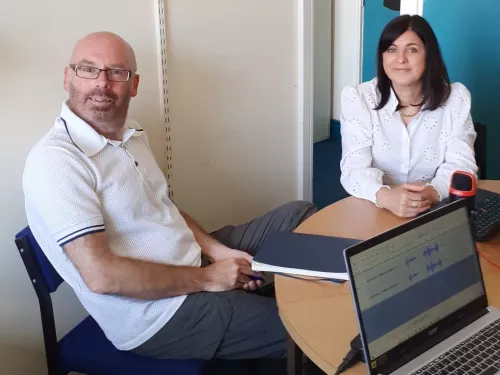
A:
(404, 60)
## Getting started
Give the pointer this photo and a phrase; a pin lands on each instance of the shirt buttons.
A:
(136, 163)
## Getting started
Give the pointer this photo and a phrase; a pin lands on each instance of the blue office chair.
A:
(85, 349)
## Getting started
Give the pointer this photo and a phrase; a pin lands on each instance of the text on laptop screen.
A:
(406, 284)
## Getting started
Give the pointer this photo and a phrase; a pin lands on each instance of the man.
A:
(98, 205)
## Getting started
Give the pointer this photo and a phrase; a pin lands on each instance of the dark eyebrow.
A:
(408, 45)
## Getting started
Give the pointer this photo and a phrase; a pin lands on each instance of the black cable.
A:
(354, 355)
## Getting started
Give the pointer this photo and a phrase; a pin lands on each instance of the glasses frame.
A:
(75, 67)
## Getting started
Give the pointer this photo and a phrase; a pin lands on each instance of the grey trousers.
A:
(233, 324)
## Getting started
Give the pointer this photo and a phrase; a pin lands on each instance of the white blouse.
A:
(378, 149)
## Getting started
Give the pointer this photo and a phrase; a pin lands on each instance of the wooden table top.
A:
(319, 316)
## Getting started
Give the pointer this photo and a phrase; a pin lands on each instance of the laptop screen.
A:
(407, 283)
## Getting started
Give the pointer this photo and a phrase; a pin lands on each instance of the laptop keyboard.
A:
(479, 354)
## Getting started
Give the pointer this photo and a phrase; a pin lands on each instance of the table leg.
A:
(294, 358)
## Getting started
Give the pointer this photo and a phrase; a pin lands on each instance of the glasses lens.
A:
(87, 72)
(118, 75)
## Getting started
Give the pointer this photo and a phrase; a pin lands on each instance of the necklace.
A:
(409, 115)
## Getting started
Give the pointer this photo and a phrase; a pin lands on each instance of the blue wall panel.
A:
(469, 34)
(376, 16)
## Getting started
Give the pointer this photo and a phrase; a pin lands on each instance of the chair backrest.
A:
(45, 280)
(480, 149)
(29, 245)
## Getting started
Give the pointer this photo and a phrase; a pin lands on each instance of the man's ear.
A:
(67, 78)
(135, 85)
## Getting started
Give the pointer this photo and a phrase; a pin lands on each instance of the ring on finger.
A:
(414, 204)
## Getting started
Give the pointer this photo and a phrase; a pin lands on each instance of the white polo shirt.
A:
(78, 182)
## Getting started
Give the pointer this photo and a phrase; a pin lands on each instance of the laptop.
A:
(420, 298)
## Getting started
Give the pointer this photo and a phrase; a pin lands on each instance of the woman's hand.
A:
(406, 200)
(429, 193)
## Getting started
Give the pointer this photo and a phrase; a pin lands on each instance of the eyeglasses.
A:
(89, 72)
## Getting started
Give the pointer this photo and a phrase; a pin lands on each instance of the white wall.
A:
(322, 55)
(412, 7)
(346, 48)
(233, 80)
(36, 43)
(347, 41)
(232, 69)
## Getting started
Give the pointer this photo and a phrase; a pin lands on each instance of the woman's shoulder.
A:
(365, 89)
(458, 92)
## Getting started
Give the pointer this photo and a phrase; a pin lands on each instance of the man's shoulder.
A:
(55, 141)
(53, 150)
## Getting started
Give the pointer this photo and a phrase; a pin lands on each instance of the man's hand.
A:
(221, 253)
(217, 252)
(406, 200)
(229, 274)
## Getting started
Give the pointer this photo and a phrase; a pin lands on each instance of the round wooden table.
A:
(319, 316)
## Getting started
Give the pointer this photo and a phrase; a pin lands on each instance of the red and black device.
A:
(463, 185)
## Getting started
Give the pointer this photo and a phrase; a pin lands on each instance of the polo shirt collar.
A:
(86, 138)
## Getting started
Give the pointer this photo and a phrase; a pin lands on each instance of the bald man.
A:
(98, 205)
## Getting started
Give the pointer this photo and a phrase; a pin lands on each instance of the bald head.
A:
(104, 46)
(102, 98)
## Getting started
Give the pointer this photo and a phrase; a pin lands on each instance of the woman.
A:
(405, 132)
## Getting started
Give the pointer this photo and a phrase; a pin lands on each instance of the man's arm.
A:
(209, 245)
(106, 273)
(217, 252)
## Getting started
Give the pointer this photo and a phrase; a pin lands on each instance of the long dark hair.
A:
(435, 81)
